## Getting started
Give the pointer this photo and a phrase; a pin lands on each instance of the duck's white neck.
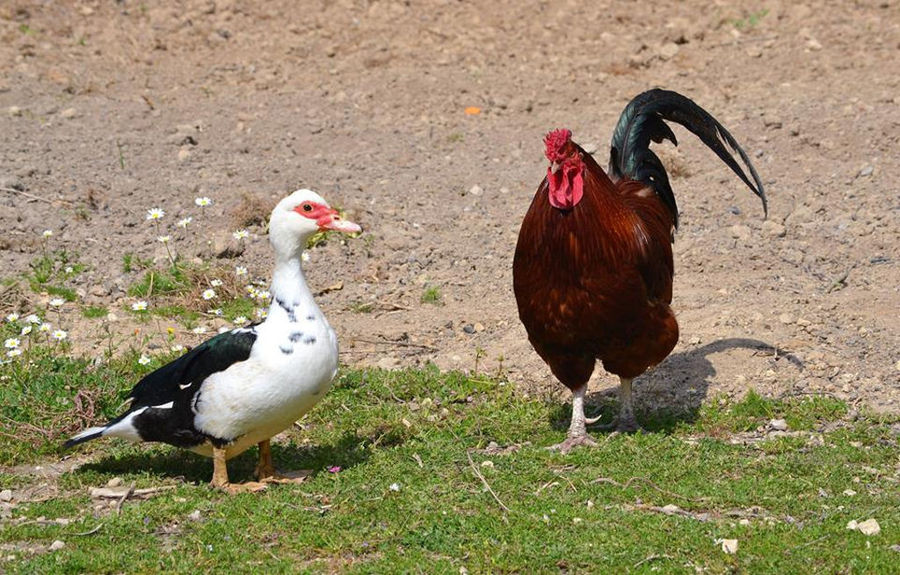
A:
(289, 285)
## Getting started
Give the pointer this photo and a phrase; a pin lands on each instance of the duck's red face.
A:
(325, 217)
(565, 175)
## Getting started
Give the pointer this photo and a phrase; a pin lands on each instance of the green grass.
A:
(432, 295)
(94, 311)
(419, 429)
(161, 282)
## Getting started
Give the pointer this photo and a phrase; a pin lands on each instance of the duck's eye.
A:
(307, 208)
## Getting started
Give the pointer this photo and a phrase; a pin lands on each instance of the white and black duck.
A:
(246, 385)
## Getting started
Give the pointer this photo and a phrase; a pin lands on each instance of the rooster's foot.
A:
(573, 441)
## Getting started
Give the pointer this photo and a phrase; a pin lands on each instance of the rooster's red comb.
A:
(555, 142)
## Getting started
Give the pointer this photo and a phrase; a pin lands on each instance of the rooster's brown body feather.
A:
(593, 269)
(595, 282)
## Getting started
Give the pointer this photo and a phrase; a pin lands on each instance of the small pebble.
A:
(866, 171)
(476, 190)
(6, 495)
(114, 482)
(195, 515)
(778, 425)
(57, 545)
(469, 328)
(730, 546)
(14, 111)
(869, 527)
(69, 113)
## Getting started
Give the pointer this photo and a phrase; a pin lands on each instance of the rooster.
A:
(592, 272)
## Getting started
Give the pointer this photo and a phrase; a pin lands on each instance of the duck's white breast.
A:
(290, 368)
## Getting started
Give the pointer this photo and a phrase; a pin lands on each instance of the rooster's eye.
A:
(307, 208)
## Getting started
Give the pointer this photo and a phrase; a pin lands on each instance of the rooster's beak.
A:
(554, 167)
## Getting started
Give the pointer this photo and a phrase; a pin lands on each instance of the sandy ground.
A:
(109, 108)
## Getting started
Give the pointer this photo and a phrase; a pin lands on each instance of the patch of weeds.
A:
(161, 282)
(238, 307)
(252, 210)
(55, 267)
(751, 21)
(127, 262)
(432, 295)
(455, 138)
(66, 293)
(361, 307)
(187, 317)
(94, 311)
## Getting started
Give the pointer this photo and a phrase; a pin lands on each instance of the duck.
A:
(246, 385)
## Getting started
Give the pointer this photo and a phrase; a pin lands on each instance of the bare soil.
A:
(108, 109)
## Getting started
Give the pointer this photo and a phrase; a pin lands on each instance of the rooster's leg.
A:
(266, 472)
(627, 422)
(577, 431)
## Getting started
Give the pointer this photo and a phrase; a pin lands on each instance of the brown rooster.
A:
(593, 266)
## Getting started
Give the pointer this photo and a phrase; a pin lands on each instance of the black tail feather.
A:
(86, 435)
(643, 121)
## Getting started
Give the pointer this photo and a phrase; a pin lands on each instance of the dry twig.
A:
(484, 481)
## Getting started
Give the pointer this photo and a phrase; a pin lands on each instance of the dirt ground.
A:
(110, 108)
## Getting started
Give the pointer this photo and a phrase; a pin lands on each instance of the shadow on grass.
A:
(669, 394)
(348, 451)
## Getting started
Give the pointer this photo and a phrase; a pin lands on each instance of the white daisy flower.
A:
(47, 233)
(33, 319)
(263, 295)
(177, 347)
(203, 202)
(304, 256)
(15, 317)
(261, 313)
(251, 290)
(155, 213)
(143, 360)
(139, 306)
(14, 352)
(241, 234)
(239, 320)
(45, 327)
(199, 330)
(238, 271)
(394, 487)
(25, 330)
(57, 301)
(215, 283)
(59, 335)
(183, 223)
(208, 294)
(68, 269)
(11, 343)
(163, 239)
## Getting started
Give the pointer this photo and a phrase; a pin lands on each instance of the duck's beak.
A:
(333, 221)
